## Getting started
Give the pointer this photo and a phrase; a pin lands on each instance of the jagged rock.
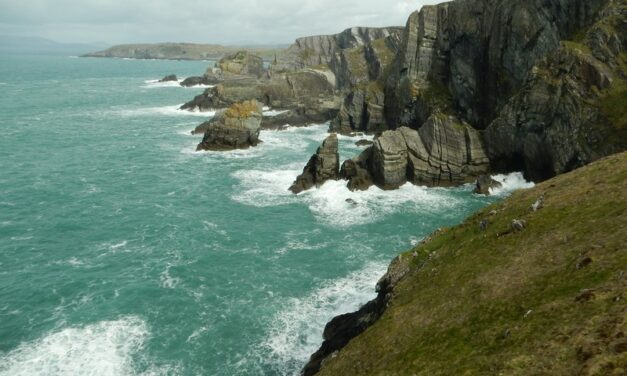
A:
(554, 124)
(364, 143)
(200, 80)
(321, 49)
(356, 172)
(341, 329)
(169, 78)
(310, 90)
(480, 60)
(323, 166)
(484, 184)
(443, 152)
(242, 63)
(234, 128)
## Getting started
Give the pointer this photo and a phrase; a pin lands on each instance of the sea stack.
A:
(322, 166)
(237, 127)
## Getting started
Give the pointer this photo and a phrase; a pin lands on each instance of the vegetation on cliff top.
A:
(549, 299)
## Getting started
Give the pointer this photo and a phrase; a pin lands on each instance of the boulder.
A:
(484, 184)
(237, 127)
(169, 78)
(322, 166)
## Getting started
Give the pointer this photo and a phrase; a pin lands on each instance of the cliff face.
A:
(534, 284)
(321, 49)
(508, 66)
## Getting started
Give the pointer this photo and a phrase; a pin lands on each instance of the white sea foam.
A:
(167, 281)
(269, 112)
(510, 183)
(153, 84)
(103, 348)
(296, 331)
(266, 188)
(164, 110)
(329, 204)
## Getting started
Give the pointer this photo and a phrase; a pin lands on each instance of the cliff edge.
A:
(532, 285)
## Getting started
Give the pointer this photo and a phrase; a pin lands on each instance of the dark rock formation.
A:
(323, 166)
(241, 63)
(200, 80)
(484, 183)
(341, 329)
(364, 143)
(498, 64)
(554, 124)
(356, 172)
(234, 128)
(169, 78)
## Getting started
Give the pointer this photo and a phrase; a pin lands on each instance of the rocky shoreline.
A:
(464, 90)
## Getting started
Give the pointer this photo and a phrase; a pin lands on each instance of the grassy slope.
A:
(477, 303)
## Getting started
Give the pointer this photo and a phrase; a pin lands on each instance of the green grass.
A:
(496, 302)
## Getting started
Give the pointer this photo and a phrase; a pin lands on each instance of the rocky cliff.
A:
(318, 50)
(534, 284)
(535, 73)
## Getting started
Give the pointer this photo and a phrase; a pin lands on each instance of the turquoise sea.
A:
(125, 252)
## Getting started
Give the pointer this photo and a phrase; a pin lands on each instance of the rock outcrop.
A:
(341, 329)
(203, 80)
(241, 63)
(322, 166)
(169, 78)
(443, 152)
(308, 93)
(312, 51)
(356, 172)
(484, 184)
(237, 127)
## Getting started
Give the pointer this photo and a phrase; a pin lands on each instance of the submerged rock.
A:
(169, 78)
(485, 183)
(323, 166)
(237, 127)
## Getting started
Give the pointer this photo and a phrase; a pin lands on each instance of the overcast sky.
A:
(202, 21)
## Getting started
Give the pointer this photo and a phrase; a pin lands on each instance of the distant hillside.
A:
(490, 298)
(181, 51)
(33, 45)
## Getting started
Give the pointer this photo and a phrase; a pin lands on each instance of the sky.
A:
(199, 21)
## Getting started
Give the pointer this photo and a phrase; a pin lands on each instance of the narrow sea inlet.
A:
(122, 249)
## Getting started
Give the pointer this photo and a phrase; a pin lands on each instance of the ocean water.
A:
(125, 252)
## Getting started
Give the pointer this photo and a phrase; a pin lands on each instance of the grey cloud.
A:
(203, 21)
